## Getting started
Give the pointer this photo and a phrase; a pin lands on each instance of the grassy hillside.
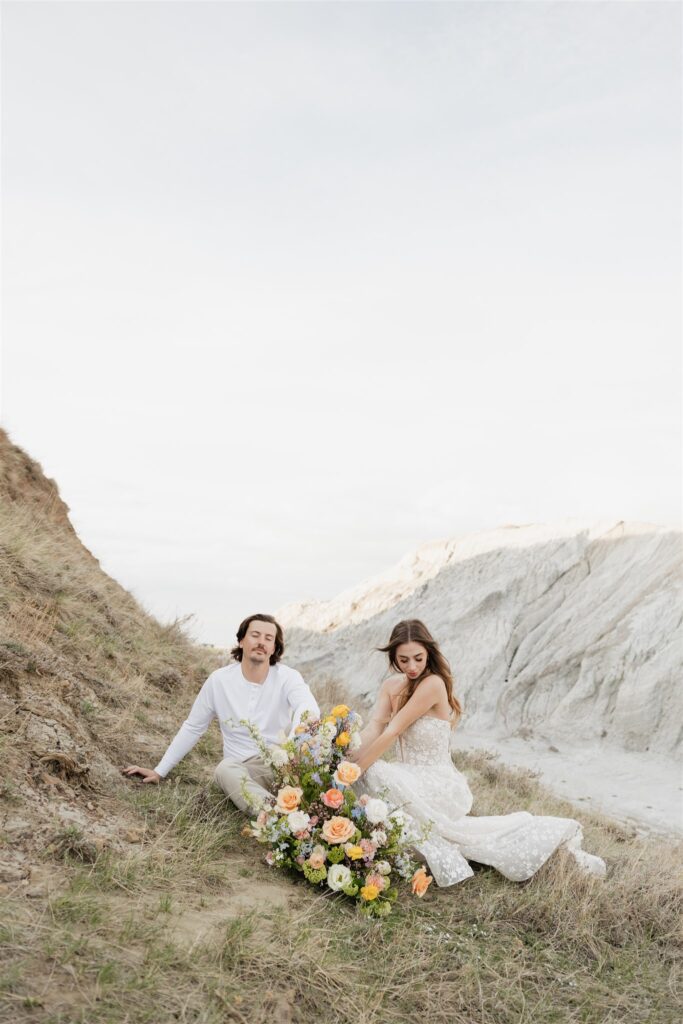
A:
(123, 903)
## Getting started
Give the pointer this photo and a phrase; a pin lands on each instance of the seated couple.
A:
(416, 706)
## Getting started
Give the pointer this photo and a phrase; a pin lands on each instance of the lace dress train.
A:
(427, 786)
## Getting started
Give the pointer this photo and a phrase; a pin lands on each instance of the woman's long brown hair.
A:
(412, 631)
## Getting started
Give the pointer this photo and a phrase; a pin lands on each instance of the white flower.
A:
(338, 876)
(383, 866)
(278, 756)
(356, 742)
(376, 811)
(379, 837)
(298, 821)
(398, 817)
(328, 729)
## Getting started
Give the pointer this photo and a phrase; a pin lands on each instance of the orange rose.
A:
(343, 739)
(347, 773)
(288, 799)
(333, 798)
(421, 882)
(338, 829)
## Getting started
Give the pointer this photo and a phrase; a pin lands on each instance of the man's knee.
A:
(228, 775)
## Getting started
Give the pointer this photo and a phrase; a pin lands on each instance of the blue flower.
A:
(316, 778)
(357, 811)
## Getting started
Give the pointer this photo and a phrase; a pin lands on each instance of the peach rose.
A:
(369, 892)
(347, 773)
(340, 711)
(338, 829)
(343, 739)
(288, 799)
(317, 858)
(421, 882)
(334, 798)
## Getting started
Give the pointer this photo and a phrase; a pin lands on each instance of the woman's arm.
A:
(379, 717)
(427, 695)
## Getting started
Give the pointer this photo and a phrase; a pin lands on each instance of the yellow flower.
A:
(329, 718)
(340, 711)
(343, 739)
(353, 852)
(299, 729)
(369, 892)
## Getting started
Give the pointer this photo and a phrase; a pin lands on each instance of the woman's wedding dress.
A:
(427, 786)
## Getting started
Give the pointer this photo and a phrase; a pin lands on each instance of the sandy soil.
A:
(634, 788)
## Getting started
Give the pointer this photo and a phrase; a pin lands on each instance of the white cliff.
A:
(568, 631)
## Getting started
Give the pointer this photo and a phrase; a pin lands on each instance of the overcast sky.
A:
(292, 288)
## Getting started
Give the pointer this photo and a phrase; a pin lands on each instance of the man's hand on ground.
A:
(148, 774)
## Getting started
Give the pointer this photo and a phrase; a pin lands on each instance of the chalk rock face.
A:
(568, 631)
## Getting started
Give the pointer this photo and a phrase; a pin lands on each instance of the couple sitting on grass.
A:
(415, 706)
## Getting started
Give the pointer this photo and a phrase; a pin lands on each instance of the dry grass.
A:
(130, 904)
(123, 941)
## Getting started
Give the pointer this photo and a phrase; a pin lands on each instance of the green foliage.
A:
(314, 875)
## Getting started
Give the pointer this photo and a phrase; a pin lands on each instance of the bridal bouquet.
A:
(317, 825)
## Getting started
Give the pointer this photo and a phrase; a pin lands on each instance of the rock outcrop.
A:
(569, 630)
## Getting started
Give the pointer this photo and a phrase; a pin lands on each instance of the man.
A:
(255, 687)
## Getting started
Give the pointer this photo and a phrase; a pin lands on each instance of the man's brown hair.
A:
(236, 652)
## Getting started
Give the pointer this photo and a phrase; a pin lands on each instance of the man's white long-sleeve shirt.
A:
(276, 704)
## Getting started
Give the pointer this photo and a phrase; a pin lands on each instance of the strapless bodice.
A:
(426, 741)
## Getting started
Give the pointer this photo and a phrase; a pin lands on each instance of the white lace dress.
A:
(427, 786)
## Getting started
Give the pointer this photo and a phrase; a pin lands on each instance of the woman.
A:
(418, 708)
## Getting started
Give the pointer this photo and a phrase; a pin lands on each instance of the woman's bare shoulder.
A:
(434, 682)
(393, 684)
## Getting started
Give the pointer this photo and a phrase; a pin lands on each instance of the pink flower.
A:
(363, 800)
(369, 849)
(270, 859)
(376, 879)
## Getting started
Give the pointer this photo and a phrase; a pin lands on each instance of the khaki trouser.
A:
(256, 775)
